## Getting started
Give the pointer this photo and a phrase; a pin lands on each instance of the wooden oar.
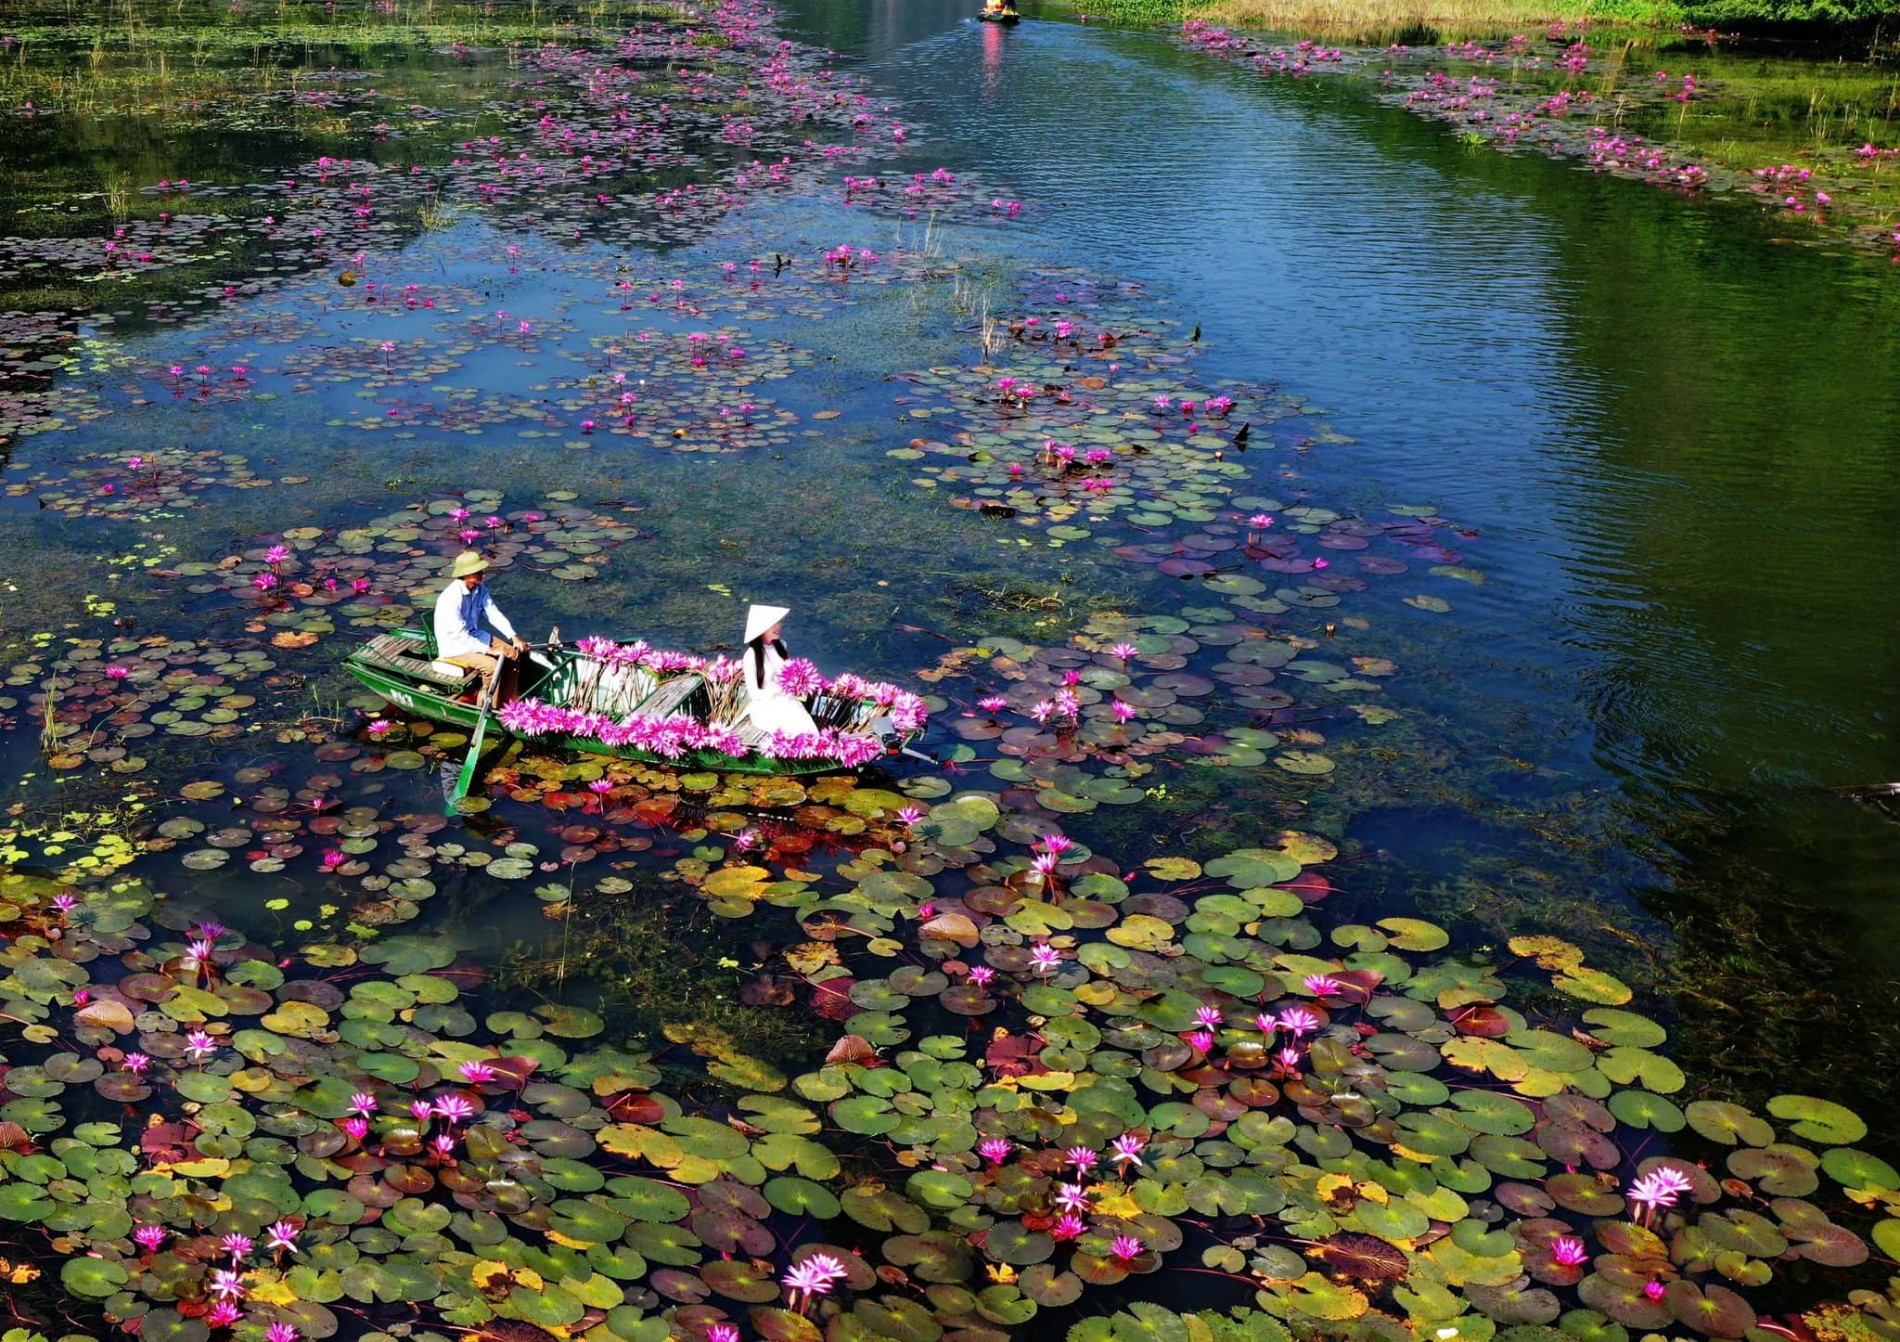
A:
(475, 742)
(481, 724)
(1874, 792)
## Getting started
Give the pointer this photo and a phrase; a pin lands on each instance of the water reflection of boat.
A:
(1885, 797)
(633, 702)
(1003, 16)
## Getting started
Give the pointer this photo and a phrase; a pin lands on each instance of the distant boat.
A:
(998, 15)
(661, 707)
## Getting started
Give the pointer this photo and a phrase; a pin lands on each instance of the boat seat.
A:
(670, 697)
(392, 652)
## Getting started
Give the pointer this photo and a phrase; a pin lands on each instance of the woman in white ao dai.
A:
(769, 707)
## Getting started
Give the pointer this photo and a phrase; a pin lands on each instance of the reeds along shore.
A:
(1377, 22)
(1363, 22)
(1858, 23)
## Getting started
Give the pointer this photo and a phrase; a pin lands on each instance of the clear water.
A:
(1670, 432)
(1674, 428)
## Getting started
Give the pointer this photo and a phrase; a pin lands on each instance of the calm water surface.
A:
(1676, 431)
(1666, 436)
(1670, 433)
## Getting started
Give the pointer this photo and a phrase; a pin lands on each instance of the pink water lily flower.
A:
(223, 1314)
(1298, 1020)
(1659, 1189)
(1072, 1197)
(812, 1276)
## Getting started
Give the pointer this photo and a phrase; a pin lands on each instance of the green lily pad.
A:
(1818, 1120)
(801, 1197)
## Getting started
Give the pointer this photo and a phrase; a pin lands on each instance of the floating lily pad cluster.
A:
(1179, 1064)
(694, 391)
(568, 158)
(136, 486)
(110, 702)
(384, 571)
(1078, 451)
(341, 216)
(1151, 463)
(1131, 694)
(35, 349)
(1213, 1054)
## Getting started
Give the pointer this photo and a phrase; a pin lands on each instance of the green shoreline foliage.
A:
(1418, 22)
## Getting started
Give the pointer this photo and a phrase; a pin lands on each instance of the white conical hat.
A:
(758, 619)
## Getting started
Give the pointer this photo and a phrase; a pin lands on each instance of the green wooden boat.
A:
(401, 666)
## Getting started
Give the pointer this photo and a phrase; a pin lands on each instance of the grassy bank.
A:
(1817, 140)
(1856, 24)
(1364, 22)
(1377, 22)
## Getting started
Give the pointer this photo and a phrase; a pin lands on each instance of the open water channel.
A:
(1546, 592)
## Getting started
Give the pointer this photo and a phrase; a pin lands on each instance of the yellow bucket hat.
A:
(466, 563)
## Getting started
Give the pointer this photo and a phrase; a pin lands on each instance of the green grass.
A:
(1377, 22)
(1363, 22)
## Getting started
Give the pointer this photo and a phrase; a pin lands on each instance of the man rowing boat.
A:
(460, 613)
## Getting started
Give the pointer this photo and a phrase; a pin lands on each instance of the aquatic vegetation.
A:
(949, 1052)
(1199, 1055)
(100, 698)
(136, 487)
(1576, 94)
(385, 571)
(1375, 21)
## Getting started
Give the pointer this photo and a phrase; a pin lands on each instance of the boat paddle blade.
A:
(467, 775)
(1869, 791)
